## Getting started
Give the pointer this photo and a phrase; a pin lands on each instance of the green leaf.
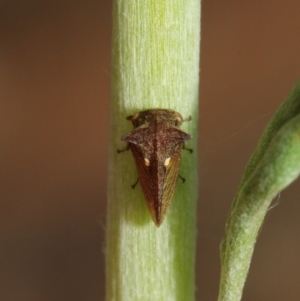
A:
(273, 166)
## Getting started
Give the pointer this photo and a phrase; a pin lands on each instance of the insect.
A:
(156, 143)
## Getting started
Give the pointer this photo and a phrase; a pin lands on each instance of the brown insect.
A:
(156, 143)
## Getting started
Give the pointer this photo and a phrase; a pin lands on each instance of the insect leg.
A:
(181, 178)
(124, 149)
(133, 186)
(188, 149)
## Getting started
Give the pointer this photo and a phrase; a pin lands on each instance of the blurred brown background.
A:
(54, 100)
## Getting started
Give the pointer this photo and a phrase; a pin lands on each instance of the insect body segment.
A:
(156, 143)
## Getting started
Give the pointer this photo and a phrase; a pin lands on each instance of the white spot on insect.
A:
(167, 161)
(147, 162)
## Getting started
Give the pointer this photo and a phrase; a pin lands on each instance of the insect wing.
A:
(158, 177)
(171, 175)
(145, 178)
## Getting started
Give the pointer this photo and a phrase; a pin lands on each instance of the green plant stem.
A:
(273, 166)
(155, 64)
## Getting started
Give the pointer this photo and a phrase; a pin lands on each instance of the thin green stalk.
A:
(155, 64)
(273, 166)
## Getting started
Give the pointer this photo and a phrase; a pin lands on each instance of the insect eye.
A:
(177, 121)
(137, 122)
(140, 121)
